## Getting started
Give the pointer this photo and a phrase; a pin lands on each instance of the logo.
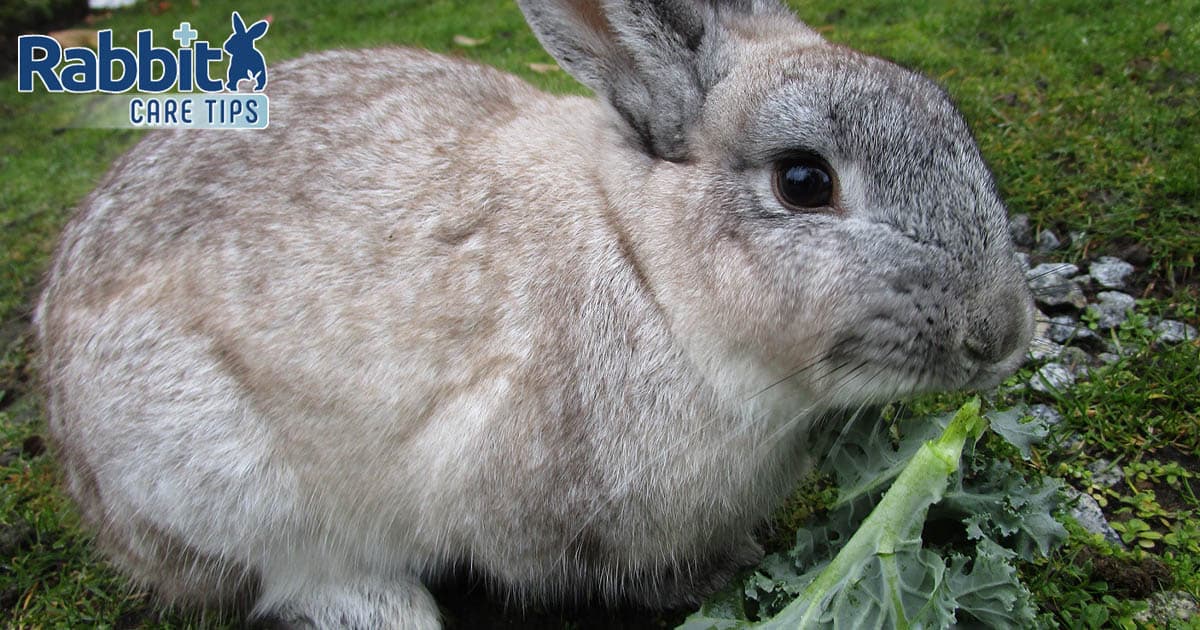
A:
(198, 101)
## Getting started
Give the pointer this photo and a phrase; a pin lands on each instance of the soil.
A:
(1132, 579)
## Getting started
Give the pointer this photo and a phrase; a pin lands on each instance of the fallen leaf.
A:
(75, 37)
(463, 40)
(543, 68)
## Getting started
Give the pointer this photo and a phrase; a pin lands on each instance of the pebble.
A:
(1071, 444)
(1110, 272)
(1105, 473)
(1113, 309)
(1020, 230)
(1088, 514)
(1108, 358)
(1052, 285)
(1041, 348)
(1171, 331)
(1048, 415)
(1052, 377)
(1064, 328)
(1023, 261)
(1077, 360)
(1047, 241)
(1061, 270)
(1167, 607)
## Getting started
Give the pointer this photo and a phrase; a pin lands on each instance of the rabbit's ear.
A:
(258, 29)
(239, 26)
(653, 60)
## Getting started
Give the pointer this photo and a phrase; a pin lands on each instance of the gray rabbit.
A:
(435, 318)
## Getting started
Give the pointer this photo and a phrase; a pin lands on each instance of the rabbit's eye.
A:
(803, 183)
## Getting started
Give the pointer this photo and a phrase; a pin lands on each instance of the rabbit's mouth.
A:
(876, 367)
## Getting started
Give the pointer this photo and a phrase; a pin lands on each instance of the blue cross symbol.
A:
(185, 34)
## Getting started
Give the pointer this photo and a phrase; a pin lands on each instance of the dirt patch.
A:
(1170, 498)
(1133, 579)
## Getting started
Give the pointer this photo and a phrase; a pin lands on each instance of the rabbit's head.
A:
(819, 215)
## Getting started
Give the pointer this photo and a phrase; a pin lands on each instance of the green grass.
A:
(1086, 110)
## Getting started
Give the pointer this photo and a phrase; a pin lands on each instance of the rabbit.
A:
(433, 319)
(245, 61)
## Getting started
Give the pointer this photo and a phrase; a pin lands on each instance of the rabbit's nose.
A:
(1000, 328)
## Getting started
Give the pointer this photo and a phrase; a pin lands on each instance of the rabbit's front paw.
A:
(365, 605)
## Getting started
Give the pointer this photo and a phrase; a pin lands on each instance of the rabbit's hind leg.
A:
(167, 460)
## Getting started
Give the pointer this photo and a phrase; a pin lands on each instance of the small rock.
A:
(1052, 377)
(1110, 272)
(1137, 254)
(1042, 348)
(1047, 241)
(1108, 358)
(1113, 309)
(1071, 444)
(9, 455)
(1088, 514)
(1057, 269)
(1077, 238)
(1167, 607)
(1023, 261)
(1171, 331)
(1077, 360)
(1105, 473)
(1047, 414)
(1019, 228)
(15, 536)
(1052, 285)
(1064, 328)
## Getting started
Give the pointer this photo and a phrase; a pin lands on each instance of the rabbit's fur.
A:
(433, 317)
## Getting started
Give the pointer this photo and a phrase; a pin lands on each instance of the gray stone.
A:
(1086, 511)
(1052, 285)
(1021, 231)
(1171, 331)
(1108, 358)
(1078, 238)
(1064, 328)
(1112, 309)
(1052, 377)
(1122, 349)
(1047, 414)
(1071, 444)
(9, 455)
(1076, 360)
(1110, 272)
(1166, 608)
(1042, 348)
(1023, 261)
(1061, 270)
(1105, 473)
(1047, 241)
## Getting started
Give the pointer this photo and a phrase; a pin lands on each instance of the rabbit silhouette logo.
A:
(245, 62)
(171, 88)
